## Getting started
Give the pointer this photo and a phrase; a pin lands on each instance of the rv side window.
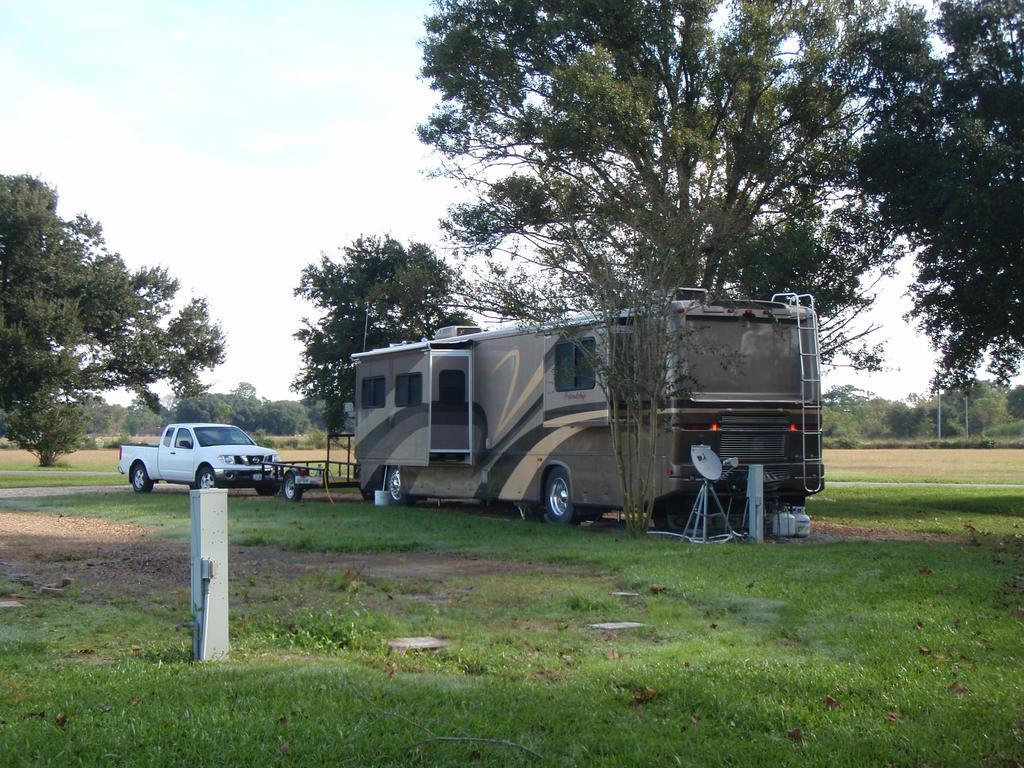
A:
(373, 392)
(451, 385)
(408, 389)
(574, 367)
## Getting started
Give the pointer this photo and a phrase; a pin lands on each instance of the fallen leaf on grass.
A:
(923, 650)
(831, 703)
(657, 590)
(134, 700)
(60, 720)
(924, 570)
(613, 655)
(795, 735)
(918, 624)
(284, 749)
(645, 695)
(694, 719)
(894, 716)
(958, 689)
(280, 719)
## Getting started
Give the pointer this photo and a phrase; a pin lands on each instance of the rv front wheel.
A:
(394, 486)
(558, 496)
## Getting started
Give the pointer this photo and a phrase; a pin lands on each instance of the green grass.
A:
(945, 510)
(743, 645)
(47, 480)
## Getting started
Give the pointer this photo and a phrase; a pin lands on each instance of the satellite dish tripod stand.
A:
(696, 529)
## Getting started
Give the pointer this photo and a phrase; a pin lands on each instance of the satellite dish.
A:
(706, 461)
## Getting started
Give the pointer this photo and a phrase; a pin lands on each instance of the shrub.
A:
(48, 429)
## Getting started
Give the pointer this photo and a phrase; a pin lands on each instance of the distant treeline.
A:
(987, 414)
(242, 406)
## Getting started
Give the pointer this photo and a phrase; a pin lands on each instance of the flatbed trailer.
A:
(297, 477)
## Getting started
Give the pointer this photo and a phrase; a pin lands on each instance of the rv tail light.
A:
(700, 426)
(809, 426)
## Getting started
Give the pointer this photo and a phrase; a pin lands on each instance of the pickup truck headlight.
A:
(274, 458)
(226, 459)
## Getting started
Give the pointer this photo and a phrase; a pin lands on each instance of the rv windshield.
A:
(739, 358)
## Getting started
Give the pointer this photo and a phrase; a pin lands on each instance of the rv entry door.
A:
(451, 404)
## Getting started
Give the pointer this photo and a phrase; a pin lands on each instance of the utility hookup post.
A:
(209, 574)
(755, 503)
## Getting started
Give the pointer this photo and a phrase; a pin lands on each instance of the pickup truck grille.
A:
(251, 460)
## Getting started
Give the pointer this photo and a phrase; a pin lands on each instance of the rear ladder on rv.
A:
(810, 383)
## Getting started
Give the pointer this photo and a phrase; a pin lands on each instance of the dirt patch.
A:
(841, 532)
(101, 556)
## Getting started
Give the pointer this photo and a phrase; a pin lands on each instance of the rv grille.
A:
(755, 422)
(749, 447)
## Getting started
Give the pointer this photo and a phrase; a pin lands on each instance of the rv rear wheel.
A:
(393, 486)
(558, 497)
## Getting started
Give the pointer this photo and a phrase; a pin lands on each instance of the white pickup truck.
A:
(202, 456)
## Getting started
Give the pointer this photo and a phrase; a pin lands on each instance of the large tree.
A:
(74, 320)
(378, 292)
(720, 135)
(946, 159)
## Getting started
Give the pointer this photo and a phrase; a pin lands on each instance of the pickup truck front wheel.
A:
(205, 479)
(141, 482)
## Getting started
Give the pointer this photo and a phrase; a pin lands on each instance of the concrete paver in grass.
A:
(425, 643)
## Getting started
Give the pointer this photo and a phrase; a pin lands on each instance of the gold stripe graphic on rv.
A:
(596, 415)
(519, 481)
(524, 393)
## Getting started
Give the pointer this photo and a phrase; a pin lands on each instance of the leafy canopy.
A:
(378, 288)
(946, 161)
(719, 135)
(75, 320)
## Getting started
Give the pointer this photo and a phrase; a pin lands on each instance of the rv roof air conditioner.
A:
(690, 294)
(451, 331)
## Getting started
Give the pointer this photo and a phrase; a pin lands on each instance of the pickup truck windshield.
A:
(208, 436)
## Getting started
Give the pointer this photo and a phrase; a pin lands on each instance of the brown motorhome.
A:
(517, 414)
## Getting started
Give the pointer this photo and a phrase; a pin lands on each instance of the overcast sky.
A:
(232, 142)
